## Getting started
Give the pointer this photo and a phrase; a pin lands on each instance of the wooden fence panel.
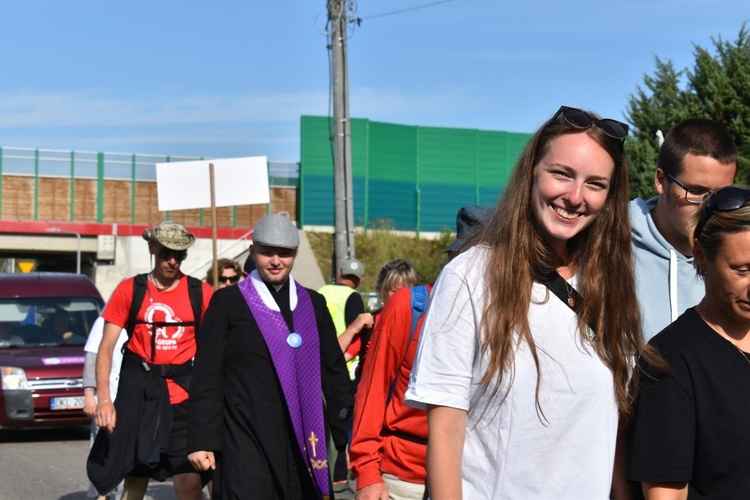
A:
(284, 200)
(54, 203)
(84, 209)
(146, 208)
(248, 215)
(117, 196)
(18, 197)
(54, 199)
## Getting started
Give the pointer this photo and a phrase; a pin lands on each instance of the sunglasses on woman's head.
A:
(581, 119)
(232, 279)
(727, 199)
(168, 254)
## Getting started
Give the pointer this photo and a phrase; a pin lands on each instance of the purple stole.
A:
(296, 358)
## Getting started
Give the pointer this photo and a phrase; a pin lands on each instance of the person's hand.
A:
(202, 460)
(89, 403)
(364, 320)
(377, 491)
(106, 416)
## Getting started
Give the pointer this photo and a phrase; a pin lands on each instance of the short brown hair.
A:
(222, 264)
(698, 136)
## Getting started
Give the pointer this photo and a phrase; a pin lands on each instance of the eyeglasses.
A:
(232, 279)
(692, 195)
(169, 254)
(581, 119)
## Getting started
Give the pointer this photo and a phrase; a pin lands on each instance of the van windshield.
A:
(46, 321)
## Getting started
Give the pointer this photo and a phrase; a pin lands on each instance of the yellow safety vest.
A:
(336, 297)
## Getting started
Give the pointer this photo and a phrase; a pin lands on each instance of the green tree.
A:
(717, 87)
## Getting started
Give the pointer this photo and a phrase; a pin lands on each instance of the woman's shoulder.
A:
(470, 258)
(686, 340)
(686, 328)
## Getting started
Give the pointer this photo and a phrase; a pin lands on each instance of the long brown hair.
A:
(605, 264)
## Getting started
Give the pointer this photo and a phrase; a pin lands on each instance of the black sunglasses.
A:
(581, 119)
(168, 254)
(727, 199)
(232, 279)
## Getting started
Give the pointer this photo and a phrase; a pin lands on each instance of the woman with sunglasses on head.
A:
(524, 378)
(230, 273)
(691, 432)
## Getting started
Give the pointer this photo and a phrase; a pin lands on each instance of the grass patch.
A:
(381, 245)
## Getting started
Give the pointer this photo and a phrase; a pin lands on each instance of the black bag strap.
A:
(139, 292)
(567, 294)
(195, 292)
(563, 290)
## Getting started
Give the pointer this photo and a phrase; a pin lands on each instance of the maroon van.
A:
(44, 322)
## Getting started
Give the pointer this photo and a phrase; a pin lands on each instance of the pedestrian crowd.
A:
(576, 345)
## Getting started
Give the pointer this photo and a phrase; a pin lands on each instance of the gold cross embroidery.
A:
(313, 440)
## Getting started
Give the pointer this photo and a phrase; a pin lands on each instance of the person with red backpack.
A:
(389, 441)
(393, 276)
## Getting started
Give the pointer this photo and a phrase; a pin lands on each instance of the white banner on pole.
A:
(186, 185)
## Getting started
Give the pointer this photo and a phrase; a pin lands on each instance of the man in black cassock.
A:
(268, 375)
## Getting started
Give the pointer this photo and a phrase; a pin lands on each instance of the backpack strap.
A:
(139, 292)
(418, 307)
(195, 292)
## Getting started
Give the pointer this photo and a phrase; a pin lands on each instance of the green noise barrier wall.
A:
(415, 177)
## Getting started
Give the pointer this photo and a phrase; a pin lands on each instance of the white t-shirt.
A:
(92, 345)
(512, 450)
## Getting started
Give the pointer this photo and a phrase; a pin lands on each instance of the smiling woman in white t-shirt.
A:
(525, 379)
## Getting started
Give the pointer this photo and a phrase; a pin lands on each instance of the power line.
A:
(360, 19)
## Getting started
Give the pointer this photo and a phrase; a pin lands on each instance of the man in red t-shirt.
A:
(144, 433)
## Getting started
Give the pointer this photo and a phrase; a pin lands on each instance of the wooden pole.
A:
(213, 225)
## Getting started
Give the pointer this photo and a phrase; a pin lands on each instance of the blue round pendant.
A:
(294, 340)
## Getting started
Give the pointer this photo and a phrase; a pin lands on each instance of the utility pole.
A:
(342, 155)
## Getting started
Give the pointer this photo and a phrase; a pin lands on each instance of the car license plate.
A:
(66, 403)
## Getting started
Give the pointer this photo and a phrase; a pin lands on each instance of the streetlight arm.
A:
(78, 238)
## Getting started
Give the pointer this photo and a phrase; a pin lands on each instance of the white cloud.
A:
(409, 107)
(28, 108)
(100, 108)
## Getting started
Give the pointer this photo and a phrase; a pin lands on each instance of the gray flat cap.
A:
(276, 231)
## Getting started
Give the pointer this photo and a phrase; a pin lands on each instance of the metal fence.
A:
(47, 184)
(111, 166)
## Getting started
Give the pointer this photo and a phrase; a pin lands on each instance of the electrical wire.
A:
(360, 19)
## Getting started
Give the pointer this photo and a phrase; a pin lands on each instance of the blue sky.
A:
(231, 78)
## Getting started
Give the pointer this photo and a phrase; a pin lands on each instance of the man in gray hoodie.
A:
(698, 157)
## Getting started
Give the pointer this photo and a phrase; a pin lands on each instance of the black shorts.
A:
(174, 461)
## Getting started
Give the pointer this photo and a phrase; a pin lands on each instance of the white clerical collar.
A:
(265, 294)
